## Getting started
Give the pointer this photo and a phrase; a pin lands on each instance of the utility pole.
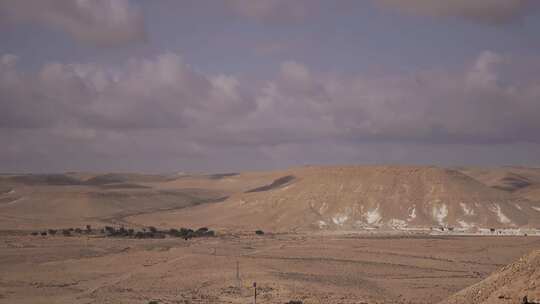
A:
(254, 292)
(238, 275)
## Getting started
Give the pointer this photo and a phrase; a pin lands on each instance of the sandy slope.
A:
(304, 198)
(39, 202)
(350, 198)
(508, 285)
(524, 182)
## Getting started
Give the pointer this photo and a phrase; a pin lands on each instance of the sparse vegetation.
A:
(144, 233)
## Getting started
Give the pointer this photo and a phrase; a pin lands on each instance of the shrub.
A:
(66, 232)
(122, 231)
(88, 228)
(35, 233)
(152, 229)
(78, 230)
(185, 231)
(204, 233)
(52, 231)
(110, 230)
(190, 234)
(259, 232)
(44, 233)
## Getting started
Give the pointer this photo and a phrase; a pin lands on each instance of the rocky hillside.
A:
(351, 198)
(516, 283)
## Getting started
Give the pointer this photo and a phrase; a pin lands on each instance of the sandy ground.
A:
(312, 268)
(322, 266)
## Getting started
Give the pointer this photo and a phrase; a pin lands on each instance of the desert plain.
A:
(325, 235)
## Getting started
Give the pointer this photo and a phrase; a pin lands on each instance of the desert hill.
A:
(35, 201)
(358, 197)
(305, 198)
(523, 182)
(508, 285)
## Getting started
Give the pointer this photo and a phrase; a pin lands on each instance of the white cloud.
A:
(483, 11)
(165, 103)
(8, 60)
(100, 22)
(273, 10)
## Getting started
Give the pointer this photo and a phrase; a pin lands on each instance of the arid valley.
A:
(391, 234)
(269, 152)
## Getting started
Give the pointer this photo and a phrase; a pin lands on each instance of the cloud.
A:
(161, 107)
(482, 11)
(99, 22)
(274, 10)
(492, 99)
(161, 92)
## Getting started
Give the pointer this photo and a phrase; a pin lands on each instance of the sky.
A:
(231, 85)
